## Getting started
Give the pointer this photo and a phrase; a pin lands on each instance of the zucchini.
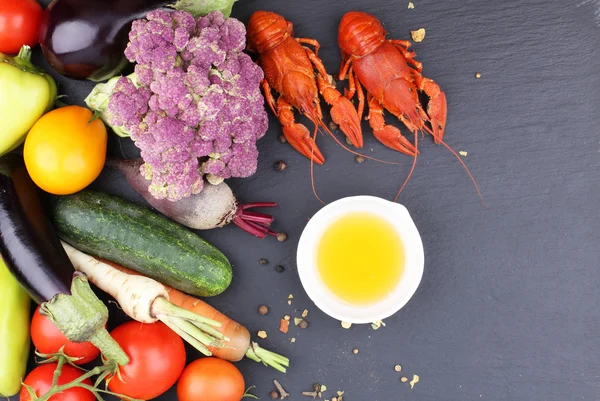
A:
(133, 236)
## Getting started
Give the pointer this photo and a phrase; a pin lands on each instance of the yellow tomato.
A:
(64, 152)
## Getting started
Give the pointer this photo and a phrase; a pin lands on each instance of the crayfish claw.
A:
(299, 137)
(391, 137)
(436, 108)
(344, 114)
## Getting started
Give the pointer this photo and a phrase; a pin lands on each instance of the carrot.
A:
(238, 342)
(239, 336)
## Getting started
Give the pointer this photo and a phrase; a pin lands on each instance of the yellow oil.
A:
(361, 258)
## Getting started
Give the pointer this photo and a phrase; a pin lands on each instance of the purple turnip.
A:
(214, 207)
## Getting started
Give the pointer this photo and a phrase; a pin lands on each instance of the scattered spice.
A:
(282, 393)
(284, 325)
(316, 393)
(287, 317)
(418, 35)
(263, 310)
(477, 75)
(305, 313)
(463, 153)
(303, 324)
(262, 334)
(348, 141)
(398, 368)
(274, 395)
(346, 325)
(414, 381)
(355, 351)
(281, 237)
(279, 269)
(282, 139)
(377, 325)
(333, 126)
(297, 321)
(280, 166)
(411, 5)
(290, 302)
(293, 340)
(263, 261)
(359, 159)
(404, 379)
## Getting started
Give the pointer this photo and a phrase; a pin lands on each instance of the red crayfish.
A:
(387, 69)
(289, 67)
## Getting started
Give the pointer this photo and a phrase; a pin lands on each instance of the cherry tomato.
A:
(64, 152)
(48, 339)
(157, 358)
(40, 379)
(19, 24)
(211, 379)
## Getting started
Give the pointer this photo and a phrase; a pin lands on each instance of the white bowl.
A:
(395, 214)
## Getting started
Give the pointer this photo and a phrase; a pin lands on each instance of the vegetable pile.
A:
(193, 105)
(194, 108)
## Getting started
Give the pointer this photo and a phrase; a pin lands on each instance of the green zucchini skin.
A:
(133, 236)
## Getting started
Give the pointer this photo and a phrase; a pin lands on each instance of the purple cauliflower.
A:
(193, 106)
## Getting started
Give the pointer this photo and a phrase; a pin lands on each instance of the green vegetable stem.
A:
(27, 93)
(14, 332)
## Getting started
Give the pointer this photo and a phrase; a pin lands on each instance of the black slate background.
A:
(508, 306)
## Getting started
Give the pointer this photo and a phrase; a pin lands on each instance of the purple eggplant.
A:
(86, 39)
(34, 255)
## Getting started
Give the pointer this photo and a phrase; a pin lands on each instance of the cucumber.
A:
(133, 236)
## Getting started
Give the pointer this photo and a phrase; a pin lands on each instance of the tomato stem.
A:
(103, 372)
(59, 366)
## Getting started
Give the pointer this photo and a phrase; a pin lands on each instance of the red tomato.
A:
(19, 24)
(211, 379)
(48, 339)
(157, 358)
(40, 379)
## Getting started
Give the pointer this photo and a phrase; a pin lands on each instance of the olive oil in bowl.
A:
(360, 258)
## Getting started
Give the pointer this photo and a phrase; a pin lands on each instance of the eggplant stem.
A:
(82, 317)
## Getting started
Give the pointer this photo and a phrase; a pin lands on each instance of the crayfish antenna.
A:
(467, 170)
(412, 168)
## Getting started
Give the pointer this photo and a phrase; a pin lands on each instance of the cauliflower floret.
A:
(193, 105)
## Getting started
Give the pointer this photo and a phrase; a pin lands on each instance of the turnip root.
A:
(214, 207)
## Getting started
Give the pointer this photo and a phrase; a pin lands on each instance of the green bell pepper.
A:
(14, 332)
(27, 93)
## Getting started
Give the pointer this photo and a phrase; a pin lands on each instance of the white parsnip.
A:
(147, 301)
(135, 294)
